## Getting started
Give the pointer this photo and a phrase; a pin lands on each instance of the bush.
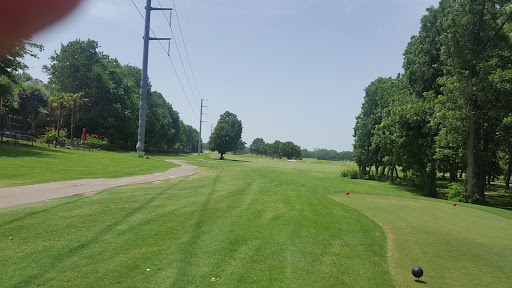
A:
(382, 177)
(457, 192)
(350, 173)
(95, 141)
(371, 176)
(51, 137)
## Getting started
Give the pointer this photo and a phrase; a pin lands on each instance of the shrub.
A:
(457, 192)
(51, 137)
(382, 177)
(96, 141)
(350, 173)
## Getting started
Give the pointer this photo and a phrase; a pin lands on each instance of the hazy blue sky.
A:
(291, 70)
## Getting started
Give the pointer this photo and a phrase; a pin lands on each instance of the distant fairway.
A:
(253, 222)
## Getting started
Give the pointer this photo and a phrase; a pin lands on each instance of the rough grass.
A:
(25, 165)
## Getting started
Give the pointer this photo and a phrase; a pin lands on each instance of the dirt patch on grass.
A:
(90, 193)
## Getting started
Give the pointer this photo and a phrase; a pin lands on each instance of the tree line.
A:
(277, 149)
(88, 89)
(451, 109)
(326, 154)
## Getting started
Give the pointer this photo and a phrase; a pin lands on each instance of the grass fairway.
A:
(253, 222)
(25, 165)
(456, 246)
(261, 223)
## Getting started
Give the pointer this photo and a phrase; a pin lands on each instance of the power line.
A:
(140, 13)
(179, 54)
(186, 51)
(170, 59)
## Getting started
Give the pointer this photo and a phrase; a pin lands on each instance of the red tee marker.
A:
(347, 192)
(454, 204)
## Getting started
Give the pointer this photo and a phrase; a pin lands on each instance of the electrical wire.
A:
(179, 54)
(186, 50)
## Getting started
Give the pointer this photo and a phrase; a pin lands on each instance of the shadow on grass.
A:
(234, 160)
(501, 199)
(27, 151)
(420, 281)
(66, 256)
(168, 154)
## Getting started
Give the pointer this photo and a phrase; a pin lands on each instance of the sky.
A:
(291, 70)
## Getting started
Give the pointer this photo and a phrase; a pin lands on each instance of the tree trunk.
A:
(431, 179)
(73, 124)
(376, 169)
(508, 173)
(221, 156)
(61, 106)
(392, 171)
(473, 150)
(361, 172)
(453, 172)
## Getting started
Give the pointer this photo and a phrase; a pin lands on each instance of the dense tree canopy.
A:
(326, 154)
(449, 111)
(112, 93)
(89, 89)
(258, 146)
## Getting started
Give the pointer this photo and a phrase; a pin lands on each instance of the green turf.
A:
(25, 165)
(249, 221)
(456, 246)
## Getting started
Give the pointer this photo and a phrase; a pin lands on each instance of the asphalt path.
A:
(11, 196)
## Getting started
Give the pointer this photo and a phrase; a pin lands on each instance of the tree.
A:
(75, 101)
(226, 134)
(258, 146)
(188, 138)
(111, 89)
(7, 88)
(290, 150)
(12, 61)
(32, 98)
(275, 149)
(472, 34)
(240, 146)
(162, 126)
(368, 153)
(60, 101)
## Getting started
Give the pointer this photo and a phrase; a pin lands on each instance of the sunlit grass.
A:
(24, 165)
(260, 223)
(250, 221)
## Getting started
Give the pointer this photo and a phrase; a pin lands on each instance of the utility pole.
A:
(144, 82)
(200, 126)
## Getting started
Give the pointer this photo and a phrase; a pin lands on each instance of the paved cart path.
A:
(11, 196)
